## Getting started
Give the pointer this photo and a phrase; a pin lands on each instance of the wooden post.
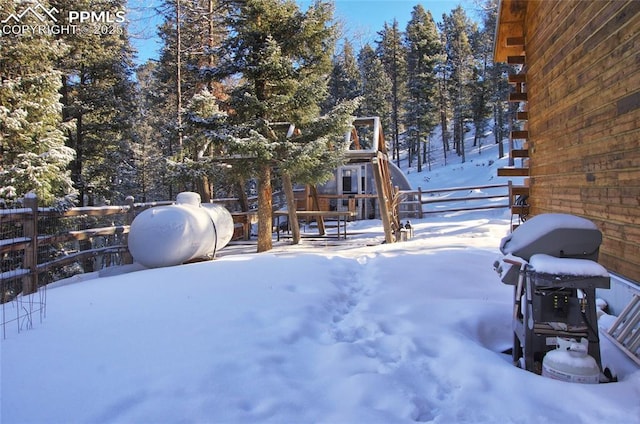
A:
(316, 206)
(383, 201)
(30, 260)
(287, 185)
(395, 204)
(131, 214)
(420, 202)
(510, 187)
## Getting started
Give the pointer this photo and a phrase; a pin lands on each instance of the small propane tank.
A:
(570, 362)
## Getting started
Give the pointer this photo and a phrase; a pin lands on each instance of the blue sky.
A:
(361, 19)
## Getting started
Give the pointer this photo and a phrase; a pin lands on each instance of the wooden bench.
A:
(341, 216)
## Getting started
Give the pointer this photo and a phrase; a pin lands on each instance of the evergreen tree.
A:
(192, 32)
(205, 126)
(497, 83)
(283, 56)
(457, 28)
(376, 85)
(344, 81)
(33, 156)
(391, 51)
(99, 98)
(443, 101)
(149, 168)
(482, 46)
(424, 52)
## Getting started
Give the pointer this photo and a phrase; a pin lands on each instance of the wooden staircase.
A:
(518, 194)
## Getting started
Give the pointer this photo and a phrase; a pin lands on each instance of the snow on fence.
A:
(417, 203)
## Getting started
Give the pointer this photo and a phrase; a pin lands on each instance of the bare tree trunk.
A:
(265, 215)
(291, 207)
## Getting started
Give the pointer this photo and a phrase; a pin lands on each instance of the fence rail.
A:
(42, 240)
(417, 203)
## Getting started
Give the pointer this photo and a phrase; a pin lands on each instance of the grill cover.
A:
(554, 234)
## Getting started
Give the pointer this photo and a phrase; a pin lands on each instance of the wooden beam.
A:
(518, 97)
(520, 210)
(519, 190)
(520, 153)
(315, 203)
(513, 172)
(517, 78)
(516, 60)
(520, 135)
(515, 41)
(30, 257)
(287, 186)
(384, 198)
(522, 116)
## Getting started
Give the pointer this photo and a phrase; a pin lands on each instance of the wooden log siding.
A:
(583, 85)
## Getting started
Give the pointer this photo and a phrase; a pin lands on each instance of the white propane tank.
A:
(171, 235)
(570, 362)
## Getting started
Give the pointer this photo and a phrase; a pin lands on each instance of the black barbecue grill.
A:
(551, 261)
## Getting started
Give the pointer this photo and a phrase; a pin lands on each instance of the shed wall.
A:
(583, 84)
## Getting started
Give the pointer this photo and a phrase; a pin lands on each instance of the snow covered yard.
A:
(356, 332)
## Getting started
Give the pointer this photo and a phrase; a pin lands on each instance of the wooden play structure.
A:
(363, 187)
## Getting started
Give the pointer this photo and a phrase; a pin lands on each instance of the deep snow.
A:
(353, 331)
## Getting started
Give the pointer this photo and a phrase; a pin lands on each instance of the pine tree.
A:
(98, 94)
(149, 168)
(482, 46)
(498, 86)
(284, 58)
(459, 68)
(344, 81)
(424, 52)
(33, 157)
(391, 51)
(192, 33)
(376, 85)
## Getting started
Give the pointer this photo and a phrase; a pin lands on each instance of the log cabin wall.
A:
(583, 88)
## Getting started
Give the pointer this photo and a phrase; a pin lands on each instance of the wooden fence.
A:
(417, 203)
(36, 241)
